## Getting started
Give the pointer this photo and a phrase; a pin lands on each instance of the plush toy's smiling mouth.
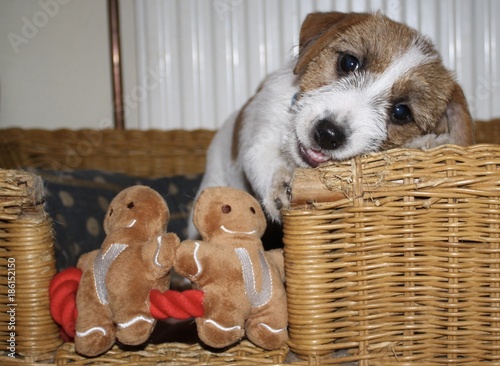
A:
(237, 232)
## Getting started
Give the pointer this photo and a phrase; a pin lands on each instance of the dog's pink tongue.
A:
(312, 157)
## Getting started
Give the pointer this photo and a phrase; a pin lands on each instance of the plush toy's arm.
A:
(187, 260)
(276, 256)
(162, 250)
(86, 259)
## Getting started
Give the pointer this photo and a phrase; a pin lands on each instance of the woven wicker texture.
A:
(27, 265)
(400, 262)
(175, 354)
(149, 153)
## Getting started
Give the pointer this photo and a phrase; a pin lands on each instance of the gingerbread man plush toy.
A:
(136, 257)
(243, 284)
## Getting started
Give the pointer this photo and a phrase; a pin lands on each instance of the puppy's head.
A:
(368, 83)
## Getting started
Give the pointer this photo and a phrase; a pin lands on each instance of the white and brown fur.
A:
(314, 110)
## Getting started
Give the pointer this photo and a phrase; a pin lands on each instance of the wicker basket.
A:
(397, 259)
(150, 153)
(244, 353)
(27, 266)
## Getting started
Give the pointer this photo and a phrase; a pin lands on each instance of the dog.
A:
(361, 83)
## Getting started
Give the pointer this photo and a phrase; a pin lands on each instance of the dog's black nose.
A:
(328, 136)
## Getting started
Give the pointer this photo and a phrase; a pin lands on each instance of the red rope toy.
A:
(169, 304)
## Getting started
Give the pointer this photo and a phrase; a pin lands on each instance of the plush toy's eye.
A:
(130, 205)
(110, 212)
(226, 209)
(252, 210)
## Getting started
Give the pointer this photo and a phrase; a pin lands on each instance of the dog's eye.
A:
(401, 113)
(348, 63)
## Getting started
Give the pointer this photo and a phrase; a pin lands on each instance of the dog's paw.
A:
(429, 141)
(278, 197)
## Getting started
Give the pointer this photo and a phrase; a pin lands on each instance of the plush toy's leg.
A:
(94, 339)
(268, 329)
(219, 332)
(268, 336)
(136, 329)
(132, 316)
(223, 322)
(95, 332)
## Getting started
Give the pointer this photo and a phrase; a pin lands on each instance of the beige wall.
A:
(54, 63)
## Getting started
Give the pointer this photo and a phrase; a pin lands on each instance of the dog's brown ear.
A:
(457, 120)
(317, 31)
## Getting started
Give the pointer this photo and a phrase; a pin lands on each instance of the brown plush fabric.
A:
(136, 256)
(243, 284)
